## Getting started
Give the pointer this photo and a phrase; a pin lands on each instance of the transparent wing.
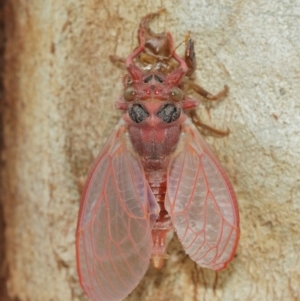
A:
(201, 202)
(118, 210)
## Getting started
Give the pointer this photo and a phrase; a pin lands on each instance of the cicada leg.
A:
(119, 61)
(158, 45)
(204, 128)
(190, 56)
(116, 59)
(146, 20)
(222, 94)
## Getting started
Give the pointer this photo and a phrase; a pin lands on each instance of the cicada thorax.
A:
(154, 115)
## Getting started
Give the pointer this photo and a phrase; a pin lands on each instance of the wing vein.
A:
(204, 209)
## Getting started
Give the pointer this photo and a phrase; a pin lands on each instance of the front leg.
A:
(222, 94)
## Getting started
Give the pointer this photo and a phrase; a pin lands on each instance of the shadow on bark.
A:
(3, 292)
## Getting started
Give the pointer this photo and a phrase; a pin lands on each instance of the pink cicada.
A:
(154, 174)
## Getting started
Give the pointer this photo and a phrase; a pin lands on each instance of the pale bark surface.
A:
(59, 109)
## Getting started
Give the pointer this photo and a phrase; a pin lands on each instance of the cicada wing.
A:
(118, 210)
(201, 202)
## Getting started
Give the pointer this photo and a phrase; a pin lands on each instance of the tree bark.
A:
(60, 89)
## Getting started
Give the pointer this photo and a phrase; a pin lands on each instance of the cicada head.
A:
(141, 85)
(155, 71)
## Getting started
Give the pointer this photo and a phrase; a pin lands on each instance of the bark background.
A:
(60, 90)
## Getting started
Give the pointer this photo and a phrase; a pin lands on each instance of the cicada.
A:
(154, 174)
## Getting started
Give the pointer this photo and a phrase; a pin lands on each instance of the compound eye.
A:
(176, 94)
(129, 94)
(138, 113)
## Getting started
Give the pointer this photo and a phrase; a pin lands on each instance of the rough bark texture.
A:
(3, 295)
(60, 89)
